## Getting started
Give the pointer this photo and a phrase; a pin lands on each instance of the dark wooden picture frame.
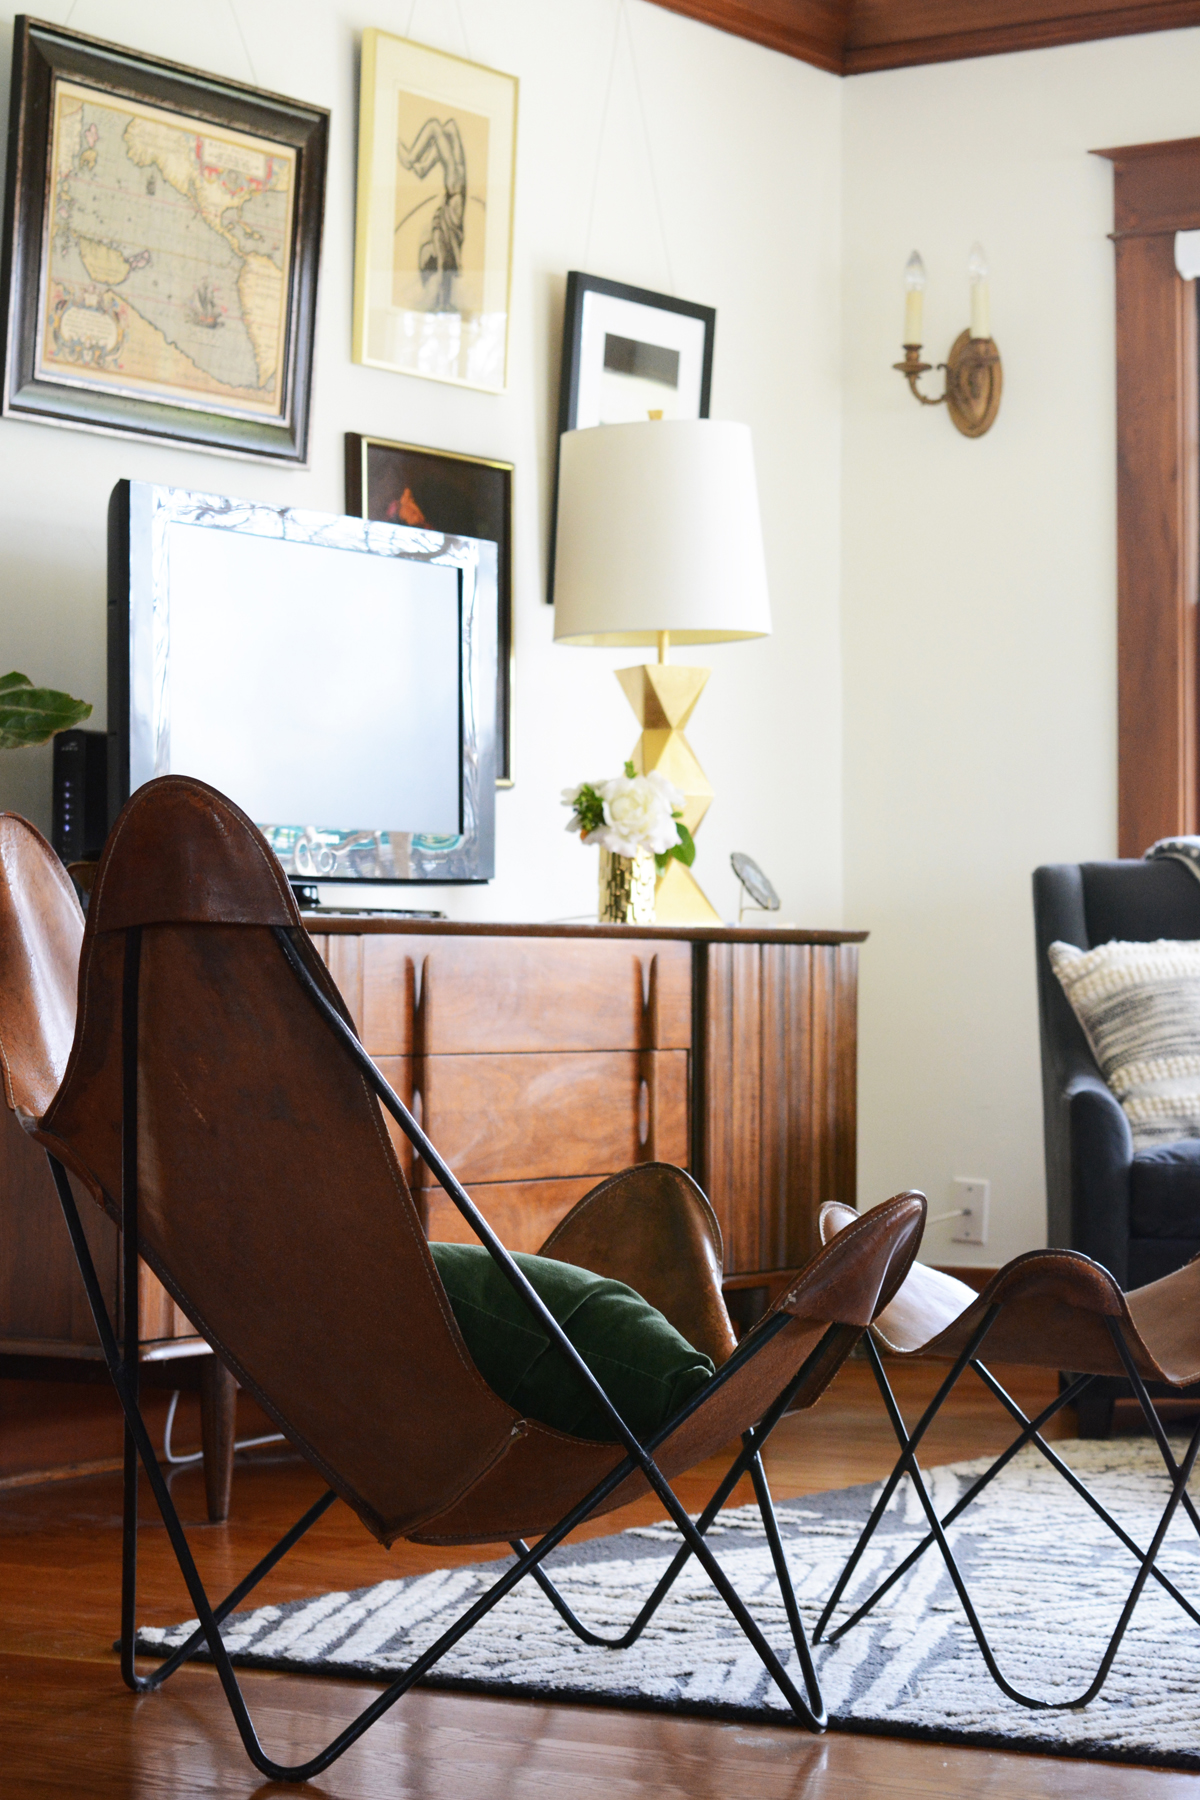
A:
(572, 381)
(43, 56)
(464, 496)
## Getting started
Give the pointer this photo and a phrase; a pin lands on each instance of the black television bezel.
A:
(139, 515)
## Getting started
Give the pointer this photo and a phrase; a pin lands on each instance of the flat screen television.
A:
(335, 677)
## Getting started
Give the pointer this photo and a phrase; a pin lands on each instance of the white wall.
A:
(757, 237)
(979, 602)
(974, 637)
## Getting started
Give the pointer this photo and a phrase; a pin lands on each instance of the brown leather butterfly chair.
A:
(1052, 1310)
(219, 1104)
(41, 931)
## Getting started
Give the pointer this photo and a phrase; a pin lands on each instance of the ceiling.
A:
(852, 37)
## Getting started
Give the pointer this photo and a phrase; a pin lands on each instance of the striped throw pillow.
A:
(1139, 1005)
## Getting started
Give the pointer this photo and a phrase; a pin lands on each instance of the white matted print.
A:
(437, 150)
(636, 359)
(628, 354)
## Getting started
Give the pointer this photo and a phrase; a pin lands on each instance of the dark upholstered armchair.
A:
(1138, 1214)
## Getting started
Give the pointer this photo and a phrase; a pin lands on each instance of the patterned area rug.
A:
(1047, 1577)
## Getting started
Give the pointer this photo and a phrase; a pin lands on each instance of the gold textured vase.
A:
(627, 888)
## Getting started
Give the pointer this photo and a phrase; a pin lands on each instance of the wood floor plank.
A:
(68, 1727)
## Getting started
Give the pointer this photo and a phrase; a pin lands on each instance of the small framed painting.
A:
(629, 354)
(437, 140)
(463, 496)
(162, 235)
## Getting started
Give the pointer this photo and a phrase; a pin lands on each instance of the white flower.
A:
(637, 815)
(570, 797)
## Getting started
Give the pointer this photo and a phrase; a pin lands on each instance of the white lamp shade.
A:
(658, 530)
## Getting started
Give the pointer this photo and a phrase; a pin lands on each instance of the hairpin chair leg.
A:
(1179, 1473)
(1030, 1433)
(749, 1459)
(123, 1386)
(906, 1463)
(1152, 1418)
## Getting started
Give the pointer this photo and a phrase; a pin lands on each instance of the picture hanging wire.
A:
(623, 18)
(462, 25)
(242, 40)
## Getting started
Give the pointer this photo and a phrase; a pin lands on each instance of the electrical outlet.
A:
(971, 1193)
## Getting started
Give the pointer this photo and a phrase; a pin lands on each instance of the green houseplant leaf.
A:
(30, 715)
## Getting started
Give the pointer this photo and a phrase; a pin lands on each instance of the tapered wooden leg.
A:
(218, 1419)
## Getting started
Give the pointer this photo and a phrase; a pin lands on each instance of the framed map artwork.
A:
(437, 141)
(162, 235)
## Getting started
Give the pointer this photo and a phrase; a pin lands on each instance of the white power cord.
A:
(940, 1218)
(198, 1455)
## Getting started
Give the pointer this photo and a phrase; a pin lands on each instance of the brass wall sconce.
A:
(974, 375)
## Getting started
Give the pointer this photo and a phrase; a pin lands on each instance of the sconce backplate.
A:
(974, 382)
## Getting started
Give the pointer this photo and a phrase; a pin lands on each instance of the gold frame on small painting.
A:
(433, 239)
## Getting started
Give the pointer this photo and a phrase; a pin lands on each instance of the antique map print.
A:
(167, 265)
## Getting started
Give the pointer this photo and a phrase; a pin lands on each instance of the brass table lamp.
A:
(659, 542)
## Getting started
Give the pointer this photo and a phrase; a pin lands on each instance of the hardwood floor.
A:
(68, 1727)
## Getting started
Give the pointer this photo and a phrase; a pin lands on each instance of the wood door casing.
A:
(1156, 192)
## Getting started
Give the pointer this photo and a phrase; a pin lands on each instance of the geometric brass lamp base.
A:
(663, 696)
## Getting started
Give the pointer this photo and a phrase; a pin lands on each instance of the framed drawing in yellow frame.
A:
(437, 142)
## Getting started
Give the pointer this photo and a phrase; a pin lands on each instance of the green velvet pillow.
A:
(643, 1364)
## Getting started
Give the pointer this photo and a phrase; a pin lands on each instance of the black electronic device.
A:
(79, 809)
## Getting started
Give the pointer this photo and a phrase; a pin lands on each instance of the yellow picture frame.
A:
(437, 147)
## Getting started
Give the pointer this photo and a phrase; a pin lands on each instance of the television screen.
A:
(329, 674)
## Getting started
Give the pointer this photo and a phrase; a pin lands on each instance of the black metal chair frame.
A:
(1178, 1473)
(122, 1362)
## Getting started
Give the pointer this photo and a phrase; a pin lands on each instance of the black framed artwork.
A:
(161, 244)
(462, 496)
(628, 354)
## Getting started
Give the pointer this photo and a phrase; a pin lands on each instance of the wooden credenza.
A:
(539, 1058)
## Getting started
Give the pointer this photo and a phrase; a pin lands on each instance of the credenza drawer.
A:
(530, 1117)
(521, 1213)
(465, 996)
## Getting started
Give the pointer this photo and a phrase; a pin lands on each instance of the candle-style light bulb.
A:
(981, 311)
(914, 298)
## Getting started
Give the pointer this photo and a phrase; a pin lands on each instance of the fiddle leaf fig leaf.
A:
(31, 715)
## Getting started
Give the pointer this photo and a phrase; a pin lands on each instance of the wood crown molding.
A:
(857, 37)
(813, 31)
